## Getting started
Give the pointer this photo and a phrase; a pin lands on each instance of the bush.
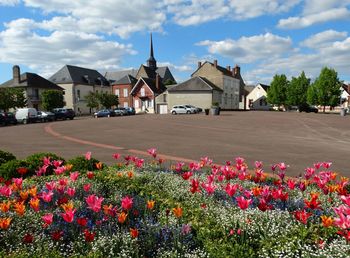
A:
(36, 161)
(9, 169)
(6, 156)
(82, 164)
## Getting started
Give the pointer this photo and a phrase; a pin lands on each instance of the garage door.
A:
(162, 109)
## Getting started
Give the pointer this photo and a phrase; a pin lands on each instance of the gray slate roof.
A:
(127, 79)
(249, 88)
(195, 84)
(117, 75)
(32, 80)
(78, 75)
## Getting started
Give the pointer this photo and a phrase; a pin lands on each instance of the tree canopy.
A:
(277, 93)
(108, 100)
(51, 99)
(12, 98)
(297, 90)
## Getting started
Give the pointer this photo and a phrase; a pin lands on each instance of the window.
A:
(125, 104)
(142, 92)
(35, 93)
(150, 103)
(164, 97)
(78, 94)
(225, 98)
(125, 93)
(116, 92)
(136, 103)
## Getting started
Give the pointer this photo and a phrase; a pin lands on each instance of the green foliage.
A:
(52, 99)
(8, 170)
(297, 90)
(312, 95)
(36, 161)
(277, 93)
(326, 88)
(92, 100)
(12, 98)
(82, 164)
(6, 156)
(169, 82)
(108, 100)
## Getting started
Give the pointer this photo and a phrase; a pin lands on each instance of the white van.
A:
(26, 115)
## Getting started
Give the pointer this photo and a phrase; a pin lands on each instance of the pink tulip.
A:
(60, 170)
(258, 164)
(239, 161)
(94, 202)
(116, 155)
(5, 191)
(63, 181)
(42, 170)
(48, 218)
(46, 161)
(139, 163)
(46, 196)
(87, 187)
(152, 152)
(88, 155)
(74, 176)
(282, 166)
(68, 216)
(127, 203)
(209, 187)
(243, 203)
(317, 165)
(178, 166)
(57, 163)
(50, 185)
(18, 181)
(231, 189)
(71, 191)
(345, 199)
(326, 165)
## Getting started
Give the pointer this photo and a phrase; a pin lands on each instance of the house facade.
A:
(257, 98)
(122, 88)
(78, 82)
(32, 84)
(145, 92)
(345, 96)
(229, 81)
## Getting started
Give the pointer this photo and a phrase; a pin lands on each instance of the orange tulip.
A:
(327, 221)
(19, 208)
(150, 204)
(130, 174)
(120, 174)
(256, 191)
(99, 165)
(177, 212)
(134, 232)
(69, 167)
(333, 175)
(24, 195)
(107, 209)
(67, 206)
(5, 206)
(122, 217)
(34, 204)
(5, 223)
(32, 191)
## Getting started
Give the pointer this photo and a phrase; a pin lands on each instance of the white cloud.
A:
(20, 44)
(107, 16)
(179, 68)
(323, 39)
(308, 20)
(250, 49)
(9, 2)
(317, 6)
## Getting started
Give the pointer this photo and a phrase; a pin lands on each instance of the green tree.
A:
(277, 94)
(108, 100)
(92, 100)
(12, 98)
(327, 88)
(312, 95)
(51, 99)
(297, 90)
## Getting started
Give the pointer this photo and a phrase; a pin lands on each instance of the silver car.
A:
(180, 109)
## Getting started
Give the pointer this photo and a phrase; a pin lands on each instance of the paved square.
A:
(298, 139)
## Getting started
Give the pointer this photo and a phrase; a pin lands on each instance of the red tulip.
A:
(243, 203)
(194, 186)
(302, 216)
(74, 176)
(94, 202)
(87, 187)
(127, 203)
(231, 189)
(89, 236)
(68, 216)
(187, 175)
(48, 218)
(152, 152)
(82, 221)
(56, 235)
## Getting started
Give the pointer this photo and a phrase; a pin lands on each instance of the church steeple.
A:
(151, 62)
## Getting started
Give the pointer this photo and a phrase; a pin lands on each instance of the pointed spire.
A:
(151, 62)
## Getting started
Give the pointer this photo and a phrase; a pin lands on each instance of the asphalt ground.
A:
(298, 139)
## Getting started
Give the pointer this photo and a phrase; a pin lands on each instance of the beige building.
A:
(77, 83)
(256, 99)
(229, 81)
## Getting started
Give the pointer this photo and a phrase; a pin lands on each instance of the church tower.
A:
(151, 62)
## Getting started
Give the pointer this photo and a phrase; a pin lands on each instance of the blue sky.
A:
(264, 37)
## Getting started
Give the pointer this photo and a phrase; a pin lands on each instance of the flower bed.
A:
(200, 209)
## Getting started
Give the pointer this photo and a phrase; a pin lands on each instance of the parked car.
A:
(130, 111)
(46, 116)
(121, 111)
(64, 113)
(194, 109)
(104, 113)
(180, 109)
(7, 118)
(26, 115)
(307, 108)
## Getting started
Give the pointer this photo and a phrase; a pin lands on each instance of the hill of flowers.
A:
(83, 208)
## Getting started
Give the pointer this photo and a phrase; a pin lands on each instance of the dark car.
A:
(64, 113)
(104, 113)
(307, 108)
(46, 116)
(121, 111)
(130, 111)
(7, 118)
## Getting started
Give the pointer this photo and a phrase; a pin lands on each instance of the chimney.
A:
(158, 82)
(16, 74)
(228, 68)
(215, 63)
(236, 71)
(199, 64)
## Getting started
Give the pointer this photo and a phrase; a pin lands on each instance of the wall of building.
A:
(256, 99)
(198, 99)
(230, 96)
(124, 101)
(144, 102)
(209, 72)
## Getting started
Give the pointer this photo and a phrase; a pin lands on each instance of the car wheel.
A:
(25, 121)
(174, 112)
(108, 115)
(188, 112)
(71, 118)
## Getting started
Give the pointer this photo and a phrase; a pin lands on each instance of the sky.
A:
(264, 37)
